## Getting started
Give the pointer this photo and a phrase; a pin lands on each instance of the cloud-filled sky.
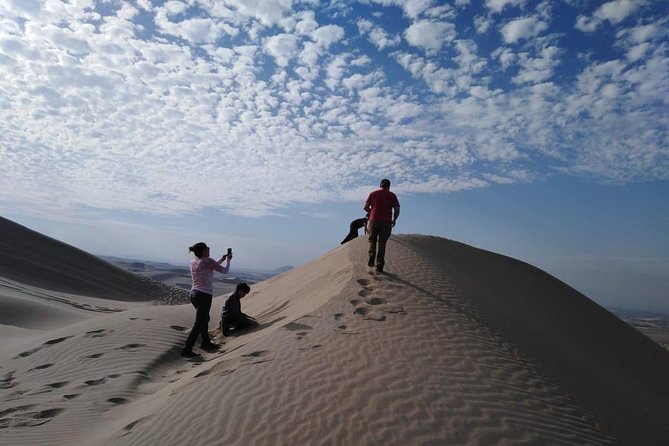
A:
(263, 110)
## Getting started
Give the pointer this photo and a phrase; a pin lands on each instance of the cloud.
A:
(525, 28)
(377, 35)
(482, 24)
(411, 8)
(125, 107)
(328, 35)
(29, 9)
(267, 12)
(537, 69)
(440, 80)
(505, 56)
(499, 5)
(614, 12)
(429, 35)
(282, 47)
(335, 70)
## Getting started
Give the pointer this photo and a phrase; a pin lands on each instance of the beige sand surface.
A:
(453, 345)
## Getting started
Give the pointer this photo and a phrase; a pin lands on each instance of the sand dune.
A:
(33, 259)
(453, 345)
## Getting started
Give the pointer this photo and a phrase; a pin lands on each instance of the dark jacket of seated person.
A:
(232, 316)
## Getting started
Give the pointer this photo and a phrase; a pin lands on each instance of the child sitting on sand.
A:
(232, 317)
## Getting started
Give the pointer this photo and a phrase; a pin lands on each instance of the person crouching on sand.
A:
(202, 272)
(232, 316)
(353, 230)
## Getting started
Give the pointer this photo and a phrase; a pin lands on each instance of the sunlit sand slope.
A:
(453, 345)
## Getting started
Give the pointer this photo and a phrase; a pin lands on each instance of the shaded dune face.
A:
(612, 369)
(34, 259)
(451, 345)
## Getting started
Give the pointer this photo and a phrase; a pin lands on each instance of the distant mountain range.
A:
(179, 276)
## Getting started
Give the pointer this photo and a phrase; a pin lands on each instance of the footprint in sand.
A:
(41, 367)
(95, 382)
(178, 328)
(127, 428)
(8, 381)
(312, 348)
(302, 329)
(343, 329)
(132, 346)
(58, 385)
(369, 315)
(257, 357)
(98, 333)
(30, 419)
(71, 396)
(46, 344)
(295, 326)
(376, 301)
(338, 316)
(117, 400)
(363, 293)
(362, 311)
(257, 354)
(57, 341)
(355, 302)
(16, 409)
(13, 410)
(363, 282)
(94, 356)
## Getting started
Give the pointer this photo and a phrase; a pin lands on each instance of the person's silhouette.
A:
(355, 225)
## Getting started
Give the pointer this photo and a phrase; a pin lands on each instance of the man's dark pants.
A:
(202, 303)
(378, 231)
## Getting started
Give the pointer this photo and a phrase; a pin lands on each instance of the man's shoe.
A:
(210, 346)
(379, 268)
(370, 263)
(189, 353)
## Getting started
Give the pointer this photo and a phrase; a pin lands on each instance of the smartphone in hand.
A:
(229, 251)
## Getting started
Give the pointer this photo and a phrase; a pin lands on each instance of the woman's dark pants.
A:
(202, 303)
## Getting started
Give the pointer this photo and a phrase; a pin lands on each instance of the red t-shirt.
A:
(382, 202)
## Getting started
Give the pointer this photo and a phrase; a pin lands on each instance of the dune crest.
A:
(453, 345)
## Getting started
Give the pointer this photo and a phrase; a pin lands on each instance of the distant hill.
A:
(282, 269)
(162, 270)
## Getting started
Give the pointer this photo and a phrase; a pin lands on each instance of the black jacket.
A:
(232, 310)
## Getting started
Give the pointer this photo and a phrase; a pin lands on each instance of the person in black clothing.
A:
(232, 316)
(355, 225)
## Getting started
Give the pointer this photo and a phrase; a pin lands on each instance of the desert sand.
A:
(452, 345)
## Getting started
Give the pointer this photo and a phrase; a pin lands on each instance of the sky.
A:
(535, 129)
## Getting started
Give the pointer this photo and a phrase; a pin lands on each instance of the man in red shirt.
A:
(383, 208)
